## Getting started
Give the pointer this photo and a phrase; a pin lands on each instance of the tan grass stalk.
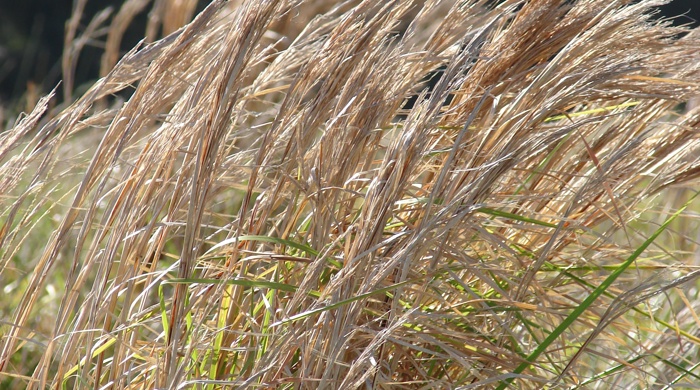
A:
(256, 213)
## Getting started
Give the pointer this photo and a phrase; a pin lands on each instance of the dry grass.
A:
(255, 214)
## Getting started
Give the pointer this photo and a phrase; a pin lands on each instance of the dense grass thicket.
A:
(275, 194)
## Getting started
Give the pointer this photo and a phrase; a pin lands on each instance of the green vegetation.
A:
(249, 202)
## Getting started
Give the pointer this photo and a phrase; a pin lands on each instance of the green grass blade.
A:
(516, 217)
(309, 313)
(275, 240)
(580, 309)
(238, 282)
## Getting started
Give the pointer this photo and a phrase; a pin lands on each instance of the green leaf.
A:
(309, 313)
(275, 240)
(516, 217)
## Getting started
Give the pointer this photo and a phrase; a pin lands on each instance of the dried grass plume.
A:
(249, 201)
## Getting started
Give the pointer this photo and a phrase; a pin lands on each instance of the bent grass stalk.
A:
(246, 203)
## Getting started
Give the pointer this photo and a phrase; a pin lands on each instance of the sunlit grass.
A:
(264, 211)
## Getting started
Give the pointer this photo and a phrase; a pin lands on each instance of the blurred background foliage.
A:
(32, 35)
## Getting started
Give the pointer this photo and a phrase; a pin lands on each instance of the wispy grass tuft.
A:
(265, 210)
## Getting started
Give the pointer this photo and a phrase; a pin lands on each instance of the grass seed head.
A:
(264, 208)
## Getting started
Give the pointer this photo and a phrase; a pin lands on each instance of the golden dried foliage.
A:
(263, 209)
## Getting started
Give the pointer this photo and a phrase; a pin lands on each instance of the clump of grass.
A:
(256, 214)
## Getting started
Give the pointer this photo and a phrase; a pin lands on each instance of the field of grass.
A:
(249, 202)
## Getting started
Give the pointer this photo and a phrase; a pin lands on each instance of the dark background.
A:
(31, 40)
